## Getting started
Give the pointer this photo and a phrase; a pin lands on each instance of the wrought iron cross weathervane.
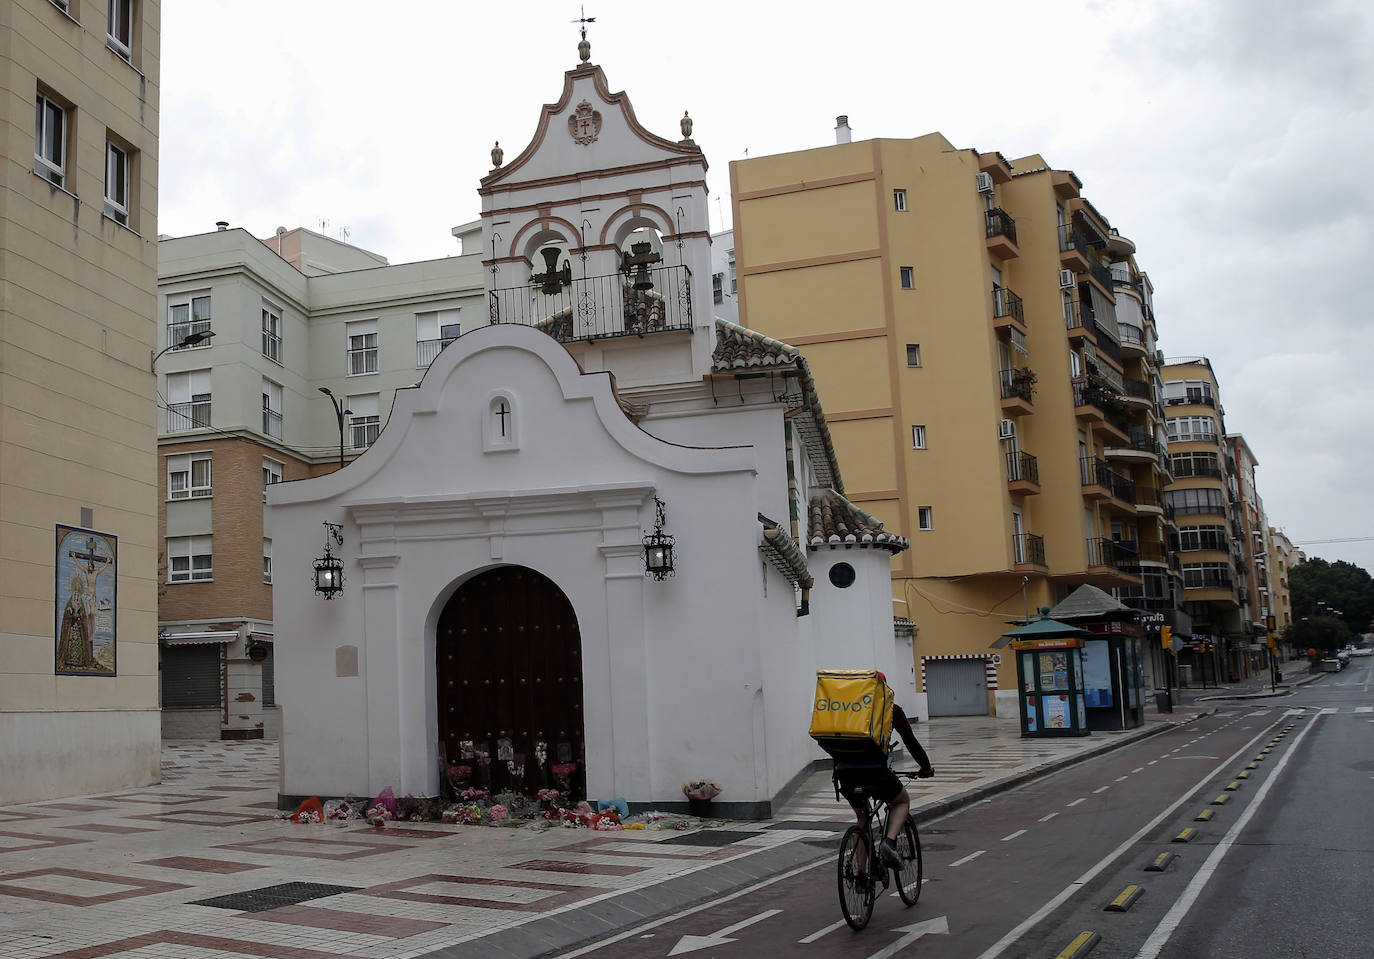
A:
(584, 49)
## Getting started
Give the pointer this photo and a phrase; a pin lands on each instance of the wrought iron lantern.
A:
(329, 577)
(658, 548)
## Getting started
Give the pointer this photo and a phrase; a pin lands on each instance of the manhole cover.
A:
(710, 837)
(274, 897)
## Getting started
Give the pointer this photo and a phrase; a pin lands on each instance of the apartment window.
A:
(1203, 575)
(918, 437)
(362, 347)
(117, 182)
(434, 330)
(189, 559)
(913, 354)
(271, 473)
(730, 268)
(188, 400)
(271, 409)
(366, 421)
(120, 34)
(1191, 538)
(899, 200)
(1195, 464)
(718, 287)
(1188, 391)
(188, 313)
(188, 476)
(266, 560)
(1184, 428)
(924, 518)
(271, 332)
(1193, 501)
(50, 140)
(908, 278)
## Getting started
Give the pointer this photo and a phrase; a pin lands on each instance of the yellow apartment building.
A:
(960, 312)
(79, 89)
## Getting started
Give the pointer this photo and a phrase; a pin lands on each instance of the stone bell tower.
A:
(597, 233)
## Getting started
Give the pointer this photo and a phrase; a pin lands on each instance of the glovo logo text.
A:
(836, 706)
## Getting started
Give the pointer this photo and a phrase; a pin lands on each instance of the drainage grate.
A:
(710, 837)
(812, 826)
(274, 897)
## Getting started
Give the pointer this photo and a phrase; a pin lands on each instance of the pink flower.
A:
(497, 812)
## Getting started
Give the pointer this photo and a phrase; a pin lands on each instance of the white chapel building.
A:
(495, 608)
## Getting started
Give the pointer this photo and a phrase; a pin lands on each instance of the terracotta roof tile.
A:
(834, 521)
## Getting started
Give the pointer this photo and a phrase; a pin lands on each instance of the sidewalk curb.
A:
(563, 932)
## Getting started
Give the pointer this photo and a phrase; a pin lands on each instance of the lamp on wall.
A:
(329, 578)
(658, 548)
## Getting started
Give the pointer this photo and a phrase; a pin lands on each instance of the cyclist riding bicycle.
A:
(877, 779)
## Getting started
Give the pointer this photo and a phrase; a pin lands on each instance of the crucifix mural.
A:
(85, 616)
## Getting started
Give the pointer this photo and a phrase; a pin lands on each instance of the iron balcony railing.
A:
(1132, 334)
(1100, 273)
(1000, 224)
(1007, 303)
(1184, 465)
(1151, 552)
(1112, 553)
(271, 422)
(1119, 419)
(1106, 343)
(1192, 398)
(1028, 548)
(1097, 472)
(1148, 496)
(427, 350)
(1073, 317)
(1019, 381)
(188, 416)
(1140, 389)
(1072, 238)
(271, 346)
(1022, 466)
(1122, 277)
(644, 301)
(176, 332)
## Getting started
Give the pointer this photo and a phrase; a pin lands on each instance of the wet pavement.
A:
(201, 865)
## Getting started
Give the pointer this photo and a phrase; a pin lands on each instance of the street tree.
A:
(1326, 634)
(1319, 588)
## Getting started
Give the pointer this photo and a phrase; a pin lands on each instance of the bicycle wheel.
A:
(856, 881)
(909, 876)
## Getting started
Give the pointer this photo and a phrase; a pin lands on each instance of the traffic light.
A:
(1166, 637)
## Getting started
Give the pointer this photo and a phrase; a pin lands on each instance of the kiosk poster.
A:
(1082, 713)
(85, 602)
(1030, 714)
(1056, 711)
(1097, 673)
(1028, 670)
(1054, 670)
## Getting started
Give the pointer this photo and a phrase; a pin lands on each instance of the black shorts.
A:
(880, 782)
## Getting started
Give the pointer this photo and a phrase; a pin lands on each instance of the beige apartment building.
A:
(78, 282)
(986, 346)
(276, 322)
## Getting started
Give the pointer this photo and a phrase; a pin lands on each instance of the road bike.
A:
(863, 876)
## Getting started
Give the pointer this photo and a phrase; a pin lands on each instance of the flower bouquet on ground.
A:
(699, 793)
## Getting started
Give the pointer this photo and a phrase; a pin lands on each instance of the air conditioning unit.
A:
(985, 183)
(1067, 279)
(1006, 429)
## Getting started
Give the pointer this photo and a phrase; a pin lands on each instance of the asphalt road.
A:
(1281, 868)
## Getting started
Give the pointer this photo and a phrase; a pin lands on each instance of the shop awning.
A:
(193, 639)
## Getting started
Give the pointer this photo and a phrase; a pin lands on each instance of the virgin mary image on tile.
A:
(85, 602)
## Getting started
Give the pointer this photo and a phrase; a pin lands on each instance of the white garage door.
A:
(957, 687)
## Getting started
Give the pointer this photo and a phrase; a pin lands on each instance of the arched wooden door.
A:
(509, 670)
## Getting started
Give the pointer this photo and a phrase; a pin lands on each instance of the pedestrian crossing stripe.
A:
(1364, 709)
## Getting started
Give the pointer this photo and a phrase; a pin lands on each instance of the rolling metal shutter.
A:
(191, 676)
(957, 687)
(269, 678)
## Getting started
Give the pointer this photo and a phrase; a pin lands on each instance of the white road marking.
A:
(1085, 798)
(939, 925)
(720, 937)
(969, 858)
(1120, 779)
(820, 932)
(1138, 769)
(1160, 937)
(1019, 832)
(1034, 919)
(1152, 762)
(1101, 789)
(1364, 709)
(1049, 817)
(1328, 710)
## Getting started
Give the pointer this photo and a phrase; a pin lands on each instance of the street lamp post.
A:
(339, 413)
(190, 339)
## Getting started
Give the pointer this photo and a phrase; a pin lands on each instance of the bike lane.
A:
(989, 867)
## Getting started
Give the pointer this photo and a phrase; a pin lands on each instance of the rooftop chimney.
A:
(842, 131)
(222, 225)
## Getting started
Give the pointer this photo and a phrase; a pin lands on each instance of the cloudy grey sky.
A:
(1227, 138)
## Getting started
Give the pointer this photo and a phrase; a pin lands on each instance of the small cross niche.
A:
(500, 429)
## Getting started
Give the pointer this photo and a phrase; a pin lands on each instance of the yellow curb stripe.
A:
(1203, 816)
(1186, 836)
(1161, 862)
(1125, 899)
(1221, 800)
(1081, 945)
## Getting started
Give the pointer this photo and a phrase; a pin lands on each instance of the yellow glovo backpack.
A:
(851, 716)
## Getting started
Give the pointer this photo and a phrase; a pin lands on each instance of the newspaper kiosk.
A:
(1049, 677)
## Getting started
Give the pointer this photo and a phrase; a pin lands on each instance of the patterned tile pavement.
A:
(120, 874)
